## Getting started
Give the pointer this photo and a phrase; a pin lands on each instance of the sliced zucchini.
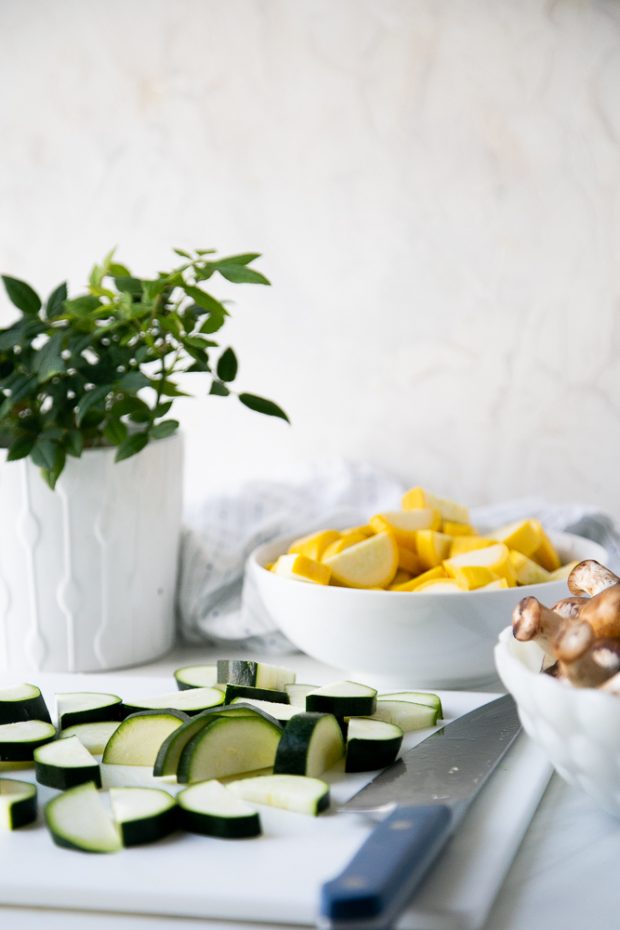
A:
(18, 803)
(405, 714)
(280, 712)
(143, 815)
(167, 761)
(78, 819)
(139, 737)
(343, 699)
(18, 741)
(190, 701)
(213, 810)
(290, 792)
(416, 697)
(229, 745)
(310, 745)
(65, 763)
(255, 694)
(196, 676)
(254, 674)
(371, 744)
(75, 707)
(22, 702)
(93, 736)
(297, 693)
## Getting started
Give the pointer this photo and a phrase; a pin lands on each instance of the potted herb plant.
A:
(88, 555)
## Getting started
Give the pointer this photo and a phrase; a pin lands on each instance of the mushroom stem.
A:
(603, 612)
(570, 607)
(612, 685)
(595, 666)
(590, 577)
(531, 620)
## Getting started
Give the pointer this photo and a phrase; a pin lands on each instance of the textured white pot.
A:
(88, 571)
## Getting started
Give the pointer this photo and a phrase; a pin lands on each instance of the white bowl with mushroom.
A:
(577, 728)
(394, 638)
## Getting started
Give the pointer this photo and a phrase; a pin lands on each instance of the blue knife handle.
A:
(383, 874)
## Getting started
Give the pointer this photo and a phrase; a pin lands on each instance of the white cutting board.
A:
(275, 878)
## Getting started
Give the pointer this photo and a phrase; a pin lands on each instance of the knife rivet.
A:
(354, 881)
(401, 824)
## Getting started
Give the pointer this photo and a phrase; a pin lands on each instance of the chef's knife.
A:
(425, 794)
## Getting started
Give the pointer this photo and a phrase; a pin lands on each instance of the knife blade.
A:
(425, 794)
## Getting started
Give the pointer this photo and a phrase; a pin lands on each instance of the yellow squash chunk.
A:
(433, 547)
(401, 577)
(545, 554)
(301, 568)
(339, 545)
(527, 571)
(408, 561)
(369, 564)
(365, 529)
(496, 585)
(468, 543)
(314, 545)
(404, 525)
(470, 577)
(496, 558)
(439, 586)
(450, 528)
(431, 575)
(560, 574)
(449, 510)
(525, 536)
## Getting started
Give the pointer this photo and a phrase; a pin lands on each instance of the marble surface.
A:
(562, 878)
(435, 187)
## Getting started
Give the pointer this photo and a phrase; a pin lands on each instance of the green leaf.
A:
(165, 428)
(227, 366)
(214, 322)
(133, 407)
(128, 284)
(183, 253)
(162, 409)
(131, 446)
(168, 389)
(262, 405)
(51, 475)
(82, 306)
(55, 302)
(92, 398)
(118, 271)
(20, 448)
(133, 381)
(22, 295)
(44, 453)
(115, 432)
(219, 389)
(239, 274)
(204, 300)
(48, 361)
(12, 335)
(243, 259)
(74, 443)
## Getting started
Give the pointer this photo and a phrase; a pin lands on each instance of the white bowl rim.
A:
(558, 538)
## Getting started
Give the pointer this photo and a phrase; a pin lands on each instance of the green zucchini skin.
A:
(368, 754)
(225, 828)
(258, 694)
(167, 761)
(183, 676)
(253, 674)
(292, 757)
(14, 751)
(150, 829)
(113, 711)
(23, 810)
(63, 777)
(31, 708)
(349, 705)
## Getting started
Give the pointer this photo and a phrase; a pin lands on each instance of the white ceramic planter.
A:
(88, 571)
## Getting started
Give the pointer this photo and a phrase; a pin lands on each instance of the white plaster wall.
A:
(435, 186)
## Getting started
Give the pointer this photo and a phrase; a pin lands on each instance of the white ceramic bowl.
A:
(401, 639)
(577, 728)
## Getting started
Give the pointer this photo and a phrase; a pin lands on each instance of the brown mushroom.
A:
(586, 667)
(531, 620)
(590, 577)
(612, 685)
(570, 607)
(602, 612)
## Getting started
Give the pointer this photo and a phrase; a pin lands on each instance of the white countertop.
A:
(563, 877)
